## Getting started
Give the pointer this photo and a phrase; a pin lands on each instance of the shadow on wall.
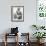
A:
(7, 31)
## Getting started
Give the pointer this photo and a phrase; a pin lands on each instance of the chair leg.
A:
(5, 39)
(17, 39)
(5, 43)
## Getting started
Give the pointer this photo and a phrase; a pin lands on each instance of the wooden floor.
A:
(13, 44)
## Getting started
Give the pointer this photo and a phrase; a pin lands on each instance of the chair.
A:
(25, 37)
(14, 32)
(7, 35)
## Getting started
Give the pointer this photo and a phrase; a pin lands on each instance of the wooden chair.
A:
(25, 36)
(8, 34)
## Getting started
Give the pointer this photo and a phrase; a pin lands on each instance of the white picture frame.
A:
(17, 13)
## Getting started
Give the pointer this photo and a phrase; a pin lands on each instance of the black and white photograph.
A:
(17, 13)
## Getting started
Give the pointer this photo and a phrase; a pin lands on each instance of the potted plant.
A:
(39, 35)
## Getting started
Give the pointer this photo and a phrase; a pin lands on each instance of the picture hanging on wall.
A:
(17, 13)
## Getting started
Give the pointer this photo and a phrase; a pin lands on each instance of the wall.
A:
(29, 15)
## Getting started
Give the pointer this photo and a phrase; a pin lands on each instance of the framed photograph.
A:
(17, 13)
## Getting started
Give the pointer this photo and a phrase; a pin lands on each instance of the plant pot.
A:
(40, 41)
